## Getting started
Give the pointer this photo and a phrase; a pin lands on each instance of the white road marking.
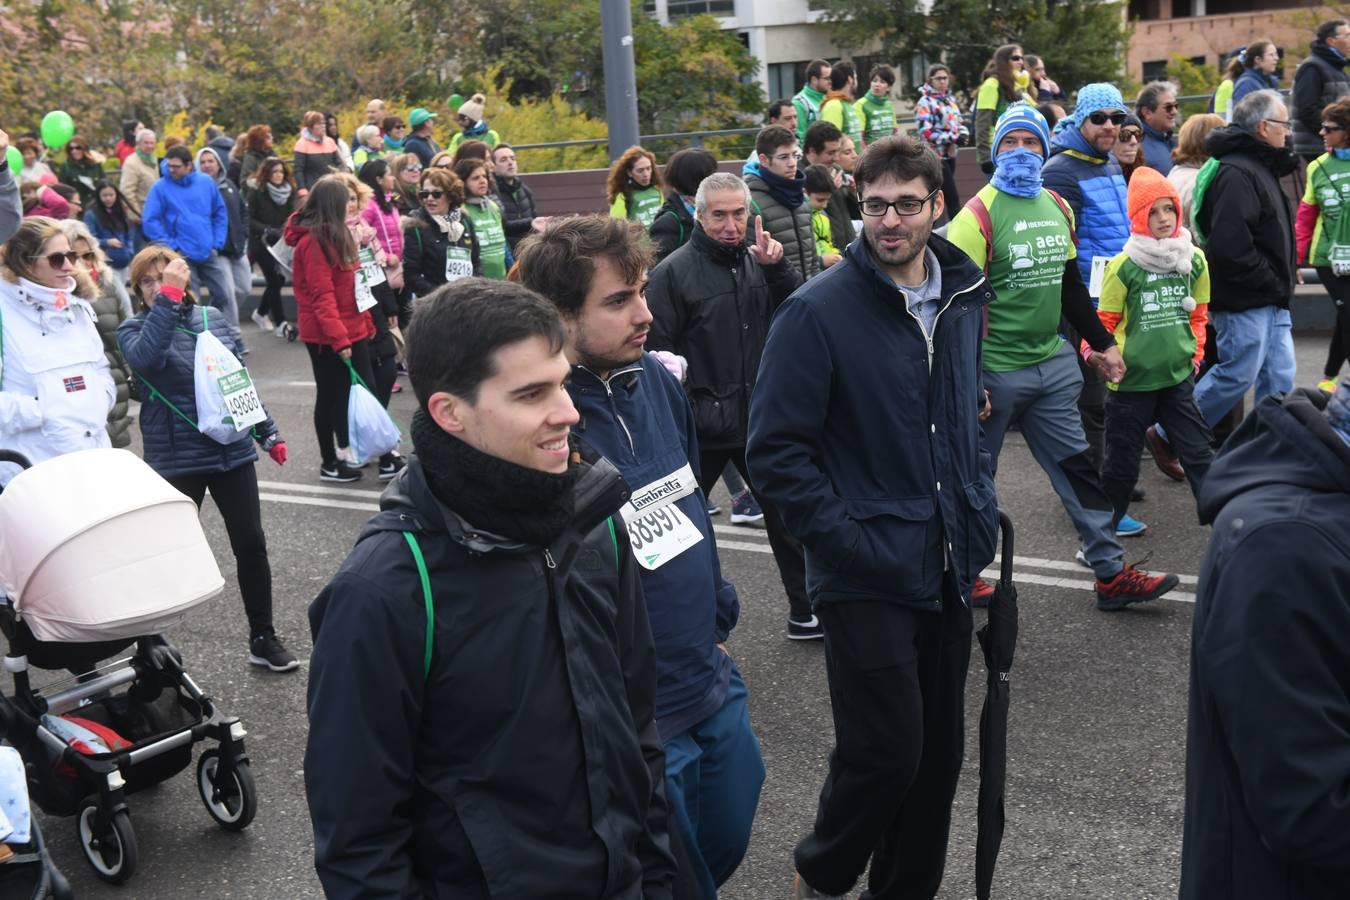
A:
(1020, 575)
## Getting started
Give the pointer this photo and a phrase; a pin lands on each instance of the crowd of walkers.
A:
(582, 382)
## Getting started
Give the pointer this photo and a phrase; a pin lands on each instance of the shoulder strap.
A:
(678, 223)
(981, 214)
(613, 539)
(425, 578)
(1068, 215)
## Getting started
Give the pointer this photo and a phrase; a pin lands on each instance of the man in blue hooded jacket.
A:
(594, 269)
(185, 211)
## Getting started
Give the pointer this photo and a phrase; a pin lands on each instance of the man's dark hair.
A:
(212, 132)
(887, 74)
(500, 147)
(1327, 30)
(1148, 96)
(932, 70)
(179, 152)
(687, 167)
(776, 108)
(900, 157)
(819, 180)
(815, 67)
(1047, 111)
(559, 262)
(840, 73)
(820, 134)
(460, 326)
(771, 137)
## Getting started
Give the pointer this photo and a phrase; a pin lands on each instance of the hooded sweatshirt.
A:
(1268, 735)
(236, 242)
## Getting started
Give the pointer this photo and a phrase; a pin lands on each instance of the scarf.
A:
(476, 130)
(147, 158)
(307, 135)
(791, 192)
(450, 224)
(1341, 152)
(280, 194)
(1162, 255)
(1018, 172)
(490, 493)
(391, 144)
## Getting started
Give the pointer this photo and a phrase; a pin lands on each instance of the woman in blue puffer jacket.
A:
(160, 344)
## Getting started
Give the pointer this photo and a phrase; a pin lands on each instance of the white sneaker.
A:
(281, 329)
(263, 323)
(1081, 558)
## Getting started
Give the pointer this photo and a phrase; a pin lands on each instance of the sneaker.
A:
(744, 509)
(1130, 586)
(809, 630)
(390, 469)
(1163, 456)
(263, 323)
(1081, 558)
(339, 472)
(714, 509)
(267, 650)
(1128, 526)
(1327, 385)
(980, 593)
(281, 329)
(803, 891)
(396, 389)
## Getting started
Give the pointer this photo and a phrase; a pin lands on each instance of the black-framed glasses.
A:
(1101, 118)
(905, 206)
(1331, 126)
(430, 195)
(1283, 123)
(55, 259)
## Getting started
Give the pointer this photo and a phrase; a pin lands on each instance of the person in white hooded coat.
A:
(56, 388)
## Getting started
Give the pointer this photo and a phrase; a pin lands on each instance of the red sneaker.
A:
(1130, 586)
(980, 593)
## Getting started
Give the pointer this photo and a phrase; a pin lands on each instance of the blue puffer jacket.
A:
(1249, 82)
(1094, 188)
(187, 215)
(640, 420)
(160, 344)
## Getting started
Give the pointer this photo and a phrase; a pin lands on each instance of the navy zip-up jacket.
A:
(640, 420)
(866, 435)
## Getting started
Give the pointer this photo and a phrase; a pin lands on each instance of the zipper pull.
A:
(548, 559)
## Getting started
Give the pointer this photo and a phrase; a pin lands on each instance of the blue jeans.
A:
(1256, 346)
(214, 274)
(713, 775)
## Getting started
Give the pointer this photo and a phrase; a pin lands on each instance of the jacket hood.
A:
(1284, 441)
(294, 231)
(220, 159)
(1231, 139)
(1070, 138)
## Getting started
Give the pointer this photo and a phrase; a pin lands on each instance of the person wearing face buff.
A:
(1023, 236)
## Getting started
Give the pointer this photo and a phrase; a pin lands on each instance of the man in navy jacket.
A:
(633, 411)
(864, 430)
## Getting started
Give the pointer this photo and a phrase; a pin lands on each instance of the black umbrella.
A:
(998, 639)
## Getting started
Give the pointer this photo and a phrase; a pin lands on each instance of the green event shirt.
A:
(646, 204)
(878, 117)
(1329, 190)
(807, 101)
(1154, 334)
(487, 226)
(843, 116)
(1032, 241)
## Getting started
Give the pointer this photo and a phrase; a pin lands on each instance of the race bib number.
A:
(458, 263)
(241, 399)
(1340, 260)
(372, 273)
(657, 529)
(1098, 275)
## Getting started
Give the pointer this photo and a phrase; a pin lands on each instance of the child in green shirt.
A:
(819, 187)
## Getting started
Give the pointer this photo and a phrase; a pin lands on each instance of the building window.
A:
(1155, 70)
(678, 9)
(785, 79)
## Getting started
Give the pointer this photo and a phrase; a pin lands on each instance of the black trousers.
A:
(950, 198)
(1128, 416)
(332, 382)
(897, 691)
(1339, 291)
(1091, 402)
(235, 493)
(270, 304)
(787, 550)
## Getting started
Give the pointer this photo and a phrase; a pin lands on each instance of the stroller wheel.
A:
(108, 842)
(232, 800)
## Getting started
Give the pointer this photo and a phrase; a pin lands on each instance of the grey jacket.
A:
(791, 227)
(11, 210)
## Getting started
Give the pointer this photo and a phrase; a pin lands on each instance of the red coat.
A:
(325, 297)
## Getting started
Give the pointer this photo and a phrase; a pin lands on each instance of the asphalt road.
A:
(1095, 791)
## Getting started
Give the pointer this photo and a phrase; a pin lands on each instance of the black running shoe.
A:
(339, 472)
(808, 630)
(267, 650)
(392, 468)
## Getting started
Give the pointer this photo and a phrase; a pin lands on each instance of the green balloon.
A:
(57, 129)
(455, 102)
(15, 159)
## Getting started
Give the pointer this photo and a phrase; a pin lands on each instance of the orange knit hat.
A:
(1148, 186)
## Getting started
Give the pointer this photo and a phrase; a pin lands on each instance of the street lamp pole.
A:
(616, 24)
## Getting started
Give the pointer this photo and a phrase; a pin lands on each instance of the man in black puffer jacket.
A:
(711, 302)
(514, 197)
(1320, 80)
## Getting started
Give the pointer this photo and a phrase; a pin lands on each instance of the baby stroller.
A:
(97, 555)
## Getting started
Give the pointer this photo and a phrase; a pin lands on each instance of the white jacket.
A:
(56, 389)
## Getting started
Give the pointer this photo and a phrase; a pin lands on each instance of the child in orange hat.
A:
(1154, 300)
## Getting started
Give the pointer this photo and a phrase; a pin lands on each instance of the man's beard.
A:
(614, 359)
(904, 254)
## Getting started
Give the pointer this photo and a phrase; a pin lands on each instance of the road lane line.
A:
(319, 501)
(374, 496)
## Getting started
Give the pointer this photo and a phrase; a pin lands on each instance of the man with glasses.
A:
(809, 99)
(864, 431)
(1023, 237)
(1319, 81)
(1157, 109)
(185, 212)
(1084, 172)
(778, 194)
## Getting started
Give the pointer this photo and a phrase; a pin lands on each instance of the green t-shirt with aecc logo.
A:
(1154, 334)
(487, 227)
(1329, 190)
(1032, 241)
(878, 115)
(646, 204)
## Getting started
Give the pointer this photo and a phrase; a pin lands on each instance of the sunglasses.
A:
(74, 147)
(56, 259)
(89, 257)
(1017, 58)
(1327, 127)
(1101, 118)
(1169, 107)
(430, 195)
(1130, 136)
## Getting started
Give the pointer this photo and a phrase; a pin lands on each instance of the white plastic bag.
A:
(371, 433)
(215, 419)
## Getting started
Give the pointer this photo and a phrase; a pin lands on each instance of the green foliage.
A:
(1193, 80)
(528, 120)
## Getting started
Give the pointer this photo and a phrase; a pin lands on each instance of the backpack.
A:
(981, 213)
(1203, 179)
